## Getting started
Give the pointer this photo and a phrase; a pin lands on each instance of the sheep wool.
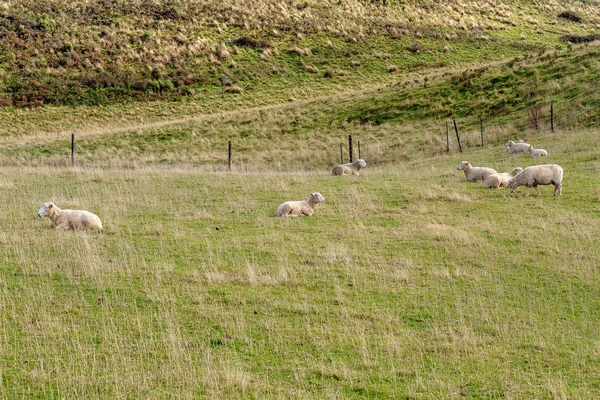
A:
(519, 147)
(500, 180)
(300, 208)
(475, 174)
(350, 168)
(538, 153)
(69, 219)
(547, 174)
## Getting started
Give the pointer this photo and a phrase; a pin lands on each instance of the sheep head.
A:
(45, 209)
(361, 163)
(462, 165)
(512, 185)
(317, 197)
(516, 170)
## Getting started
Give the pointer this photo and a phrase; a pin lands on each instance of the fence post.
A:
(552, 117)
(481, 130)
(229, 155)
(447, 139)
(457, 136)
(72, 149)
(350, 147)
(359, 149)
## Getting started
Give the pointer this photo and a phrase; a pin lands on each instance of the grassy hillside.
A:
(408, 282)
(400, 121)
(102, 52)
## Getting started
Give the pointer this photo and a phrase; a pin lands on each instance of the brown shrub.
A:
(415, 47)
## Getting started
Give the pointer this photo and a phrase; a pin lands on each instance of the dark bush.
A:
(245, 41)
(580, 39)
(570, 16)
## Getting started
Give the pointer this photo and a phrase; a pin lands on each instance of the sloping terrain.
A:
(101, 52)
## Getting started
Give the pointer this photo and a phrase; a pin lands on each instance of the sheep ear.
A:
(50, 205)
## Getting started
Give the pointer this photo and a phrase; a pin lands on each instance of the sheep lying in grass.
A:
(300, 208)
(547, 174)
(475, 174)
(69, 219)
(538, 152)
(495, 181)
(350, 168)
(520, 147)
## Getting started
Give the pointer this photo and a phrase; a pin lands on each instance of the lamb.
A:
(547, 174)
(496, 181)
(69, 219)
(538, 152)
(350, 168)
(519, 147)
(300, 208)
(475, 174)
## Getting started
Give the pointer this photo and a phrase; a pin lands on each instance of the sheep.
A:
(538, 152)
(350, 168)
(300, 208)
(496, 181)
(69, 219)
(475, 174)
(519, 147)
(547, 174)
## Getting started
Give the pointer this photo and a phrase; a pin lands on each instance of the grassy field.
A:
(408, 282)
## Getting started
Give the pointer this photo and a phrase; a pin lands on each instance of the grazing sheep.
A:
(475, 174)
(547, 174)
(70, 219)
(350, 168)
(495, 181)
(538, 152)
(519, 147)
(300, 208)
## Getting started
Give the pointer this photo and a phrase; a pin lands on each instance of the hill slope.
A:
(100, 52)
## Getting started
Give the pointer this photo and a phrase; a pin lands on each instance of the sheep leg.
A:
(538, 190)
(557, 189)
(63, 227)
(527, 194)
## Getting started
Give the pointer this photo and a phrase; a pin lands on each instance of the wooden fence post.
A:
(359, 149)
(447, 139)
(350, 147)
(481, 130)
(72, 149)
(552, 117)
(229, 155)
(341, 154)
(457, 136)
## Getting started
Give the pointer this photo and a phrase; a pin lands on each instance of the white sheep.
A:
(350, 168)
(300, 208)
(475, 174)
(69, 219)
(495, 181)
(547, 174)
(519, 147)
(538, 152)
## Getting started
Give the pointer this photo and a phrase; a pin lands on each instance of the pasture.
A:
(408, 282)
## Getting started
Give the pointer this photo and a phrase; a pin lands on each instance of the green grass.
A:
(94, 54)
(408, 282)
